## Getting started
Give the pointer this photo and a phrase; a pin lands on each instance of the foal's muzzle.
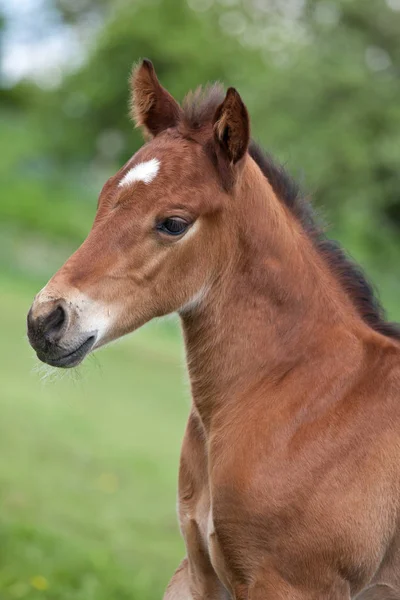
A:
(53, 332)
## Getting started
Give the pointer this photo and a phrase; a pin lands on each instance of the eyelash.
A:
(173, 226)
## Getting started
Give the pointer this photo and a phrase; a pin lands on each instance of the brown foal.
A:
(289, 484)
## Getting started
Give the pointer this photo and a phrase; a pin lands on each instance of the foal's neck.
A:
(276, 306)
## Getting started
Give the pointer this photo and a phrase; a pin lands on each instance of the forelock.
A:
(199, 106)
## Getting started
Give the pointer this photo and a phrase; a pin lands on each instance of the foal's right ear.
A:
(152, 107)
(232, 127)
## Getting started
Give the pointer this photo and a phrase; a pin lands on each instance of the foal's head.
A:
(163, 229)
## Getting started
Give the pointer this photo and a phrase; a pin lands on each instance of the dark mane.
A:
(350, 274)
(198, 110)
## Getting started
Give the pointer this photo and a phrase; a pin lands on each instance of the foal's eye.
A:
(173, 226)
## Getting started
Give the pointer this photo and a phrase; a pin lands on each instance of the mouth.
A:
(72, 359)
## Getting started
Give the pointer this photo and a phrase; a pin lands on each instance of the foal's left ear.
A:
(232, 126)
(152, 107)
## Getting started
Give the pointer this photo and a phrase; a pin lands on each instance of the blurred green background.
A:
(89, 459)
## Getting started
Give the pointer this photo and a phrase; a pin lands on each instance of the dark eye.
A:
(173, 226)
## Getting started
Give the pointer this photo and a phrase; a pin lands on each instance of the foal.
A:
(289, 484)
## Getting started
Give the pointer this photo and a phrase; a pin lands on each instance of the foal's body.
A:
(266, 525)
(289, 485)
(289, 481)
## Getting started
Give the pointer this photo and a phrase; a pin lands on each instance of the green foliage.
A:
(35, 195)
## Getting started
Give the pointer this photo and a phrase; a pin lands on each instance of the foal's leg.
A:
(202, 586)
(178, 588)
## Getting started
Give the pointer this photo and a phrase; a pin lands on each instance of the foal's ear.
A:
(152, 107)
(232, 126)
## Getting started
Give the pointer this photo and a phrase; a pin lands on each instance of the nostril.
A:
(54, 323)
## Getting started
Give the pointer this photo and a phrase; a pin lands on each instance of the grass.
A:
(89, 465)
